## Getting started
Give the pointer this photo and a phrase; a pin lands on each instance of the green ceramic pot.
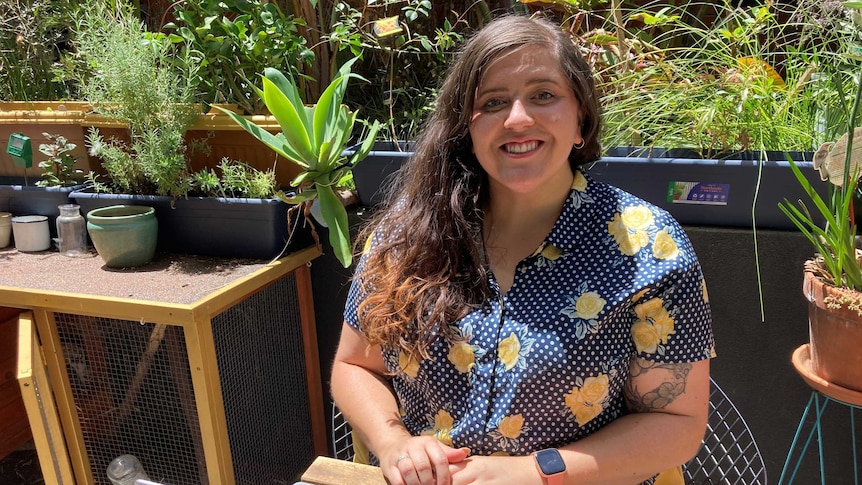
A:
(124, 235)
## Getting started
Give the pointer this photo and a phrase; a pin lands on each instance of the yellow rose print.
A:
(589, 305)
(580, 182)
(510, 426)
(637, 218)
(664, 247)
(508, 350)
(640, 294)
(616, 228)
(408, 365)
(646, 337)
(499, 453)
(585, 402)
(442, 428)
(551, 252)
(461, 355)
(649, 309)
(631, 243)
(586, 413)
(595, 389)
(663, 326)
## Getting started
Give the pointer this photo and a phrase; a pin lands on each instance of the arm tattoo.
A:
(660, 397)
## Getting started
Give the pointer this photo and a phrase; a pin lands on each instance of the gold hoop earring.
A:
(580, 145)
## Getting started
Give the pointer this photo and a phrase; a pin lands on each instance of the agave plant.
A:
(314, 137)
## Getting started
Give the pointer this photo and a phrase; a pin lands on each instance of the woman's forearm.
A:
(367, 402)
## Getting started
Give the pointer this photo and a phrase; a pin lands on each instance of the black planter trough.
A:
(224, 227)
(696, 191)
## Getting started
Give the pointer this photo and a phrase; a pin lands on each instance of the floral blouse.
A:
(544, 364)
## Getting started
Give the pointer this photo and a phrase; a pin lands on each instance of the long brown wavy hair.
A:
(426, 269)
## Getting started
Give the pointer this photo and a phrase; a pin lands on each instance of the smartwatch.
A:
(550, 465)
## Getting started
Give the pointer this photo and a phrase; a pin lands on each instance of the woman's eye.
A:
(493, 104)
(544, 95)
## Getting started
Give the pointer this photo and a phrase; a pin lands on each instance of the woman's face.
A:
(525, 120)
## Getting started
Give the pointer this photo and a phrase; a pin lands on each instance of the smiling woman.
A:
(513, 320)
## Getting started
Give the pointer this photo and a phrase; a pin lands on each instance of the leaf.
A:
(335, 215)
(287, 86)
(291, 122)
(276, 142)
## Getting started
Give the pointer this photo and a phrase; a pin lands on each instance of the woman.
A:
(508, 304)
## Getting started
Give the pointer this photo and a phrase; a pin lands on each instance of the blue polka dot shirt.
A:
(544, 364)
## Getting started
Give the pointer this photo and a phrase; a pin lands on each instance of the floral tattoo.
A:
(661, 396)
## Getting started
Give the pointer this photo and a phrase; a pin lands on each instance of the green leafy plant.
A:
(736, 83)
(135, 84)
(233, 41)
(33, 36)
(314, 137)
(841, 164)
(59, 168)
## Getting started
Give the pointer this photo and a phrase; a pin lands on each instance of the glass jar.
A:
(125, 470)
(71, 231)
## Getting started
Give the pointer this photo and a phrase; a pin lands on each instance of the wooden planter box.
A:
(34, 118)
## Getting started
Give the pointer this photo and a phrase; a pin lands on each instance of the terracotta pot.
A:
(835, 333)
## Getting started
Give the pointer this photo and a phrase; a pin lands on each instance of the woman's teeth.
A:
(521, 147)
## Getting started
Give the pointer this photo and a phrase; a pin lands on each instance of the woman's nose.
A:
(518, 116)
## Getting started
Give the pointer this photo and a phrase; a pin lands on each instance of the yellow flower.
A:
(589, 305)
(645, 336)
(616, 227)
(595, 389)
(649, 309)
(462, 356)
(756, 66)
(442, 429)
(705, 293)
(367, 244)
(664, 246)
(637, 218)
(631, 243)
(508, 350)
(580, 182)
(640, 294)
(586, 413)
(510, 426)
(409, 365)
(574, 399)
(551, 252)
(663, 324)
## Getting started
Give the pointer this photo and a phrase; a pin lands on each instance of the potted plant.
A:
(149, 109)
(833, 278)
(314, 137)
(59, 178)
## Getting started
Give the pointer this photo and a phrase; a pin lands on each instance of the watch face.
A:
(550, 461)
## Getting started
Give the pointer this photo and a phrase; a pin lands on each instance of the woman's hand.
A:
(420, 460)
(495, 470)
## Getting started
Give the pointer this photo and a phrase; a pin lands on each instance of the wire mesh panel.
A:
(132, 390)
(728, 454)
(259, 349)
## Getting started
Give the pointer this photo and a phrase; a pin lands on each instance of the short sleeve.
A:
(674, 325)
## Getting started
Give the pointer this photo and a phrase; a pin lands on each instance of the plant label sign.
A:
(697, 193)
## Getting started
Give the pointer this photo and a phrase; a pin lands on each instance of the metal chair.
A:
(728, 455)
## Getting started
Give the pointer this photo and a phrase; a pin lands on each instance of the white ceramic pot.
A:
(31, 233)
(5, 229)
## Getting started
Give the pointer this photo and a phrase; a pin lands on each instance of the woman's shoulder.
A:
(620, 200)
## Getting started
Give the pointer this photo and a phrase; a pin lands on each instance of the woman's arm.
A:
(361, 390)
(669, 404)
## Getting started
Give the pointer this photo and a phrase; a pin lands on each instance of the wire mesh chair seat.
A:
(728, 454)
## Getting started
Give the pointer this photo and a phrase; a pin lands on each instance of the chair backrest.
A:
(728, 454)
